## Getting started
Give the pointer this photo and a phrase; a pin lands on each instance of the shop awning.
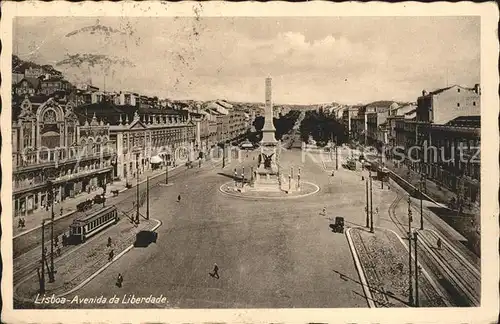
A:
(156, 160)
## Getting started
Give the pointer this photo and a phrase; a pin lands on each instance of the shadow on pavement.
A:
(385, 293)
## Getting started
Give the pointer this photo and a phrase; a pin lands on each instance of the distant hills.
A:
(19, 66)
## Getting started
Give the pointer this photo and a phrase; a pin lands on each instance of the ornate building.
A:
(53, 147)
(141, 135)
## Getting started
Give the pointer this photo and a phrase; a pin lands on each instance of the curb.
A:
(359, 268)
(270, 198)
(74, 211)
(95, 274)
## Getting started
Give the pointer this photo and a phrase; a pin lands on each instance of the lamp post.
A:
(409, 253)
(51, 272)
(42, 274)
(416, 269)
(166, 173)
(137, 202)
(421, 204)
(104, 192)
(371, 204)
(147, 198)
(367, 205)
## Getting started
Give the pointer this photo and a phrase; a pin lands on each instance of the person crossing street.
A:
(215, 272)
(179, 198)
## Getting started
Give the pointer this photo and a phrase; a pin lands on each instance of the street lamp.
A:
(52, 199)
(409, 253)
(42, 273)
(422, 180)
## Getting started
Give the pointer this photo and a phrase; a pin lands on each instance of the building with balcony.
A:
(442, 144)
(139, 134)
(55, 149)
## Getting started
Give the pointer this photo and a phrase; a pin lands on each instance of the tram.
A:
(92, 221)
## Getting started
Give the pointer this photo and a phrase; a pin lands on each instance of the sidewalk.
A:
(78, 266)
(68, 206)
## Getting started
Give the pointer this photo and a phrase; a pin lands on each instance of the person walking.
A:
(179, 198)
(439, 243)
(119, 280)
(111, 255)
(109, 241)
(215, 272)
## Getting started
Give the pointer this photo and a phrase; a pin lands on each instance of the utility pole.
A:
(409, 253)
(51, 273)
(421, 206)
(42, 274)
(104, 192)
(166, 173)
(137, 202)
(336, 158)
(224, 156)
(147, 198)
(416, 269)
(371, 203)
(367, 205)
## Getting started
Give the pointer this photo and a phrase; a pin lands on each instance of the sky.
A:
(312, 60)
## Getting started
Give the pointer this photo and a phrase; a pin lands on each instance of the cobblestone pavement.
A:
(385, 263)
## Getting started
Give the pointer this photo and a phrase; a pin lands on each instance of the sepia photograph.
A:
(218, 161)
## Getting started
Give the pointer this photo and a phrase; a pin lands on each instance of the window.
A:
(473, 103)
(458, 90)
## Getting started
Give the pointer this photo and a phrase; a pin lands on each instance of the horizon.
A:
(313, 61)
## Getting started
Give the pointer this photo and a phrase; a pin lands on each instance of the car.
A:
(338, 226)
(144, 238)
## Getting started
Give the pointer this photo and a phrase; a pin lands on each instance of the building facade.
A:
(54, 149)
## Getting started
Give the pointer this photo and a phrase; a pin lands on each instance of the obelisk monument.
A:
(267, 172)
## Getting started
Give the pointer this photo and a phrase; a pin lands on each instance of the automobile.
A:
(338, 226)
(99, 199)
(144, 238)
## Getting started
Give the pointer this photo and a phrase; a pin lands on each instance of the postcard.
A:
(249, 162)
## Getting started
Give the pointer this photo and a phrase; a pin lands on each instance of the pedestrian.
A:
(111, 255)
(109, 241)
(119, 280)
(45, 251)
(324, 210)
(362, 178)
(333, 173)
(64, 239)
(179, 198)
(376, 210)
(58, 251)
(439, 243)
(20, 223)
(215, 272)
(56, 241)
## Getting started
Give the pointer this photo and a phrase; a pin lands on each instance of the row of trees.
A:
(283, 125)
(322, 127)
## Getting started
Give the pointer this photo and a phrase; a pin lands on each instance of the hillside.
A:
(19, 66)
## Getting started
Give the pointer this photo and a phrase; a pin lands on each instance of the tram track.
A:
(457, 276)
(26, 262)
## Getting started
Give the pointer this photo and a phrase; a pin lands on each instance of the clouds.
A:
(312, 60)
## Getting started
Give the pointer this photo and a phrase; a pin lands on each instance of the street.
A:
(270, 253)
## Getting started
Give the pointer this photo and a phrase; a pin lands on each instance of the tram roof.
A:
(83, 216)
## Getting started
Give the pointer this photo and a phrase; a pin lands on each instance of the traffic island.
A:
(237, 191)
(383, 262)
(82, 264)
